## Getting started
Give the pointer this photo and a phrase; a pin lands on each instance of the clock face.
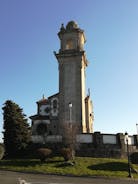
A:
(44, 110)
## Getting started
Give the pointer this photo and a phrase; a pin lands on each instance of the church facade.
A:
(70, 105)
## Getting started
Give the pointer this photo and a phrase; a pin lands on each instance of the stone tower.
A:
(72, 64)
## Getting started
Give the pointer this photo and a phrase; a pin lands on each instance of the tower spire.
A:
(43, 97)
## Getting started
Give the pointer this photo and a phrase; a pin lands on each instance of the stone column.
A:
(136, 140)
(121, 143)
(97, 139)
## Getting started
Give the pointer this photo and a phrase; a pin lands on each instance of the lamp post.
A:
(128, 156)
(71, 129)
(137, 128)
(70, 112)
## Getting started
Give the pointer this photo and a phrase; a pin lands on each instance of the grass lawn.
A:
(84, 167)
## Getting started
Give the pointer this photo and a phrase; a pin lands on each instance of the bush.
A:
(67, 153)
(134, 158)
(44, 154)
(1, 152)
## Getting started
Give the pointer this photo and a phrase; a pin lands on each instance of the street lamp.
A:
(70, 112)
(128, 156)
(70, 125)
(137, 128)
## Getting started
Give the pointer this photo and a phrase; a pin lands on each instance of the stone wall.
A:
(106, 145)
(96, 144)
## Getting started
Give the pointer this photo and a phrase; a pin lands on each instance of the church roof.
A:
(38, 117)
(42, 101)
(55, 95)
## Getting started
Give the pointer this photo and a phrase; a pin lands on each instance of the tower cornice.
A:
(69, 53)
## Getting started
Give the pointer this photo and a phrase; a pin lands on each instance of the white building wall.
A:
(43, 139)
(130, 140)
(54, 138)
(80, 138)
(109, 139)
(84, 138)
(37, 139)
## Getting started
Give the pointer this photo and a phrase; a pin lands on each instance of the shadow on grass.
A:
(110, 166)
(21, 163)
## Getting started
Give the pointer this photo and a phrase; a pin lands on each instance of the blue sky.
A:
(28, 68)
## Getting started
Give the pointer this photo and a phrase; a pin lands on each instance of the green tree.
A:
(16, 130)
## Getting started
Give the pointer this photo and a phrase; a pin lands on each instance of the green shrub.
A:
(1, 152)
(44, 154)
(67, 153)
(134, 158)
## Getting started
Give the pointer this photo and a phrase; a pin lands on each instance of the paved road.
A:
(7, 177)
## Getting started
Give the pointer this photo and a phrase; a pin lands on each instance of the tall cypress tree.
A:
(16, 129)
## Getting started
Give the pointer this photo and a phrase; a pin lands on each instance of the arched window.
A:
(41, 129)
(69, 44)
(55, 104)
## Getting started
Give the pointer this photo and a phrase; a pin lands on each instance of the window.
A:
(41, 129)
(69, 44)
(55, 104)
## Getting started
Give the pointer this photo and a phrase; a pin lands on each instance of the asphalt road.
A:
(7, 177)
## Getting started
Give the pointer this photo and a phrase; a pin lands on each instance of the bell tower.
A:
(72, 64)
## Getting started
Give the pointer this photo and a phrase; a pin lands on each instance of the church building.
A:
(70, 105)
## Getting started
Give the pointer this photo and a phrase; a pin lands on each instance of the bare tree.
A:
(69, 136)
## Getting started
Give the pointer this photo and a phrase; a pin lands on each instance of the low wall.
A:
(84, 138)
(44, 138)
(95, 144)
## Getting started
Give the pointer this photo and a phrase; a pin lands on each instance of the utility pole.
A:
(137, 127)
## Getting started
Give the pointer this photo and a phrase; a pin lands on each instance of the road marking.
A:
(25, 182)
